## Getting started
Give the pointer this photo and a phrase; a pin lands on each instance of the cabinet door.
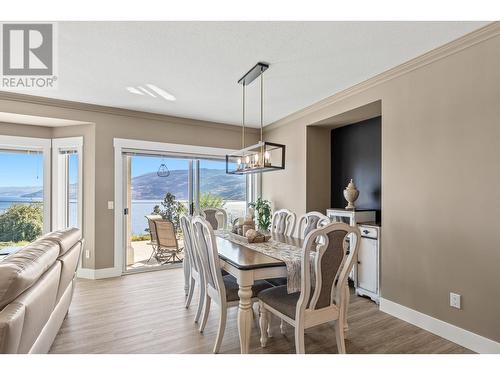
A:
(367, 274)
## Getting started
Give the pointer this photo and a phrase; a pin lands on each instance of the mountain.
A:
(19, 191)
(150, 186)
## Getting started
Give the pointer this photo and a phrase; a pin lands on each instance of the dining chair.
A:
(310, 221)
(192, 266)
(217, 217)
(222, 290)
(283, 222)
(324, 301)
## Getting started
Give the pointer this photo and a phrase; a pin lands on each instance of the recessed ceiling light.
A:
(133, 90)
(165, 95)
(146, 91)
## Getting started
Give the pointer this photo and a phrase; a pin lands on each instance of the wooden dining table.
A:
(247, 266)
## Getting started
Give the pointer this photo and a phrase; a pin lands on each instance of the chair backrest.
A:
(335, 247)
(151, 225)
(283, 222)
(217, 217)
(310, 221)
(206, 245)
(189, 250)
(165, 233)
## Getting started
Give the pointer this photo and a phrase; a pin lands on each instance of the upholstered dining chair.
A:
(217, 217)
(223, 290)
(192, 266)
(324, 301)
(310, 221)
(283, 222)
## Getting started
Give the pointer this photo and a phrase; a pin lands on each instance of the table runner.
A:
(291, 255)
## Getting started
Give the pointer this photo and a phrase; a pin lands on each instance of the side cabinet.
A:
(367, 270)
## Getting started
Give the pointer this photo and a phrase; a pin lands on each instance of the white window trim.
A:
(122, 145)
(42, 145)
(58, 180)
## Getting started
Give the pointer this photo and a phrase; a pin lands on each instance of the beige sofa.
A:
(36, 287)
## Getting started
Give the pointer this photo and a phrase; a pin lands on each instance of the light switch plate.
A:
(111, 205)
(87, 254)
(455, 300)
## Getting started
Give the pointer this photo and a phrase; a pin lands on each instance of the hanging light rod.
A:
(263, 156)
(253, 73)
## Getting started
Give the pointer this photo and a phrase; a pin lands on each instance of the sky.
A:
(147, 164)
(23, 169)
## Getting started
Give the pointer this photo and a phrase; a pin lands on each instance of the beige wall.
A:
(440, 178)
(104, 125)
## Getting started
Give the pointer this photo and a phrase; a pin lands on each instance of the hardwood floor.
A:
(144, 313)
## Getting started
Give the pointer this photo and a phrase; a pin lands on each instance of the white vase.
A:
(350, 195)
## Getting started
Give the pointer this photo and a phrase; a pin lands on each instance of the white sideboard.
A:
(366, 271)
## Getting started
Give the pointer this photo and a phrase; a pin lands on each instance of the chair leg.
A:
(346, 306)
(339, 335)
(264, 324)
(299, 339)
(191, 292)
(206, 310)
(222, 327)
(201, 302)
(282, 327)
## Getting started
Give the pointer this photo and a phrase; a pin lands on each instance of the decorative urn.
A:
(350, 195)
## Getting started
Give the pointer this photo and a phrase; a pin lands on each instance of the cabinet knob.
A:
(365, 231)
(359, 262)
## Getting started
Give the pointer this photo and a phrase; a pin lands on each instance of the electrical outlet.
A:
(111, 205)
(87, 254)
(455, 300)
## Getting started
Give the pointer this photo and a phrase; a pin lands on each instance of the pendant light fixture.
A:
(163, 169)
(263, 156)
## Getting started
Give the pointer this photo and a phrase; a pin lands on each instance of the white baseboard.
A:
(448, 331)
(101, 273)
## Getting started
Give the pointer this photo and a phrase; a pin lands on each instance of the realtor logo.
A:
(28, 55)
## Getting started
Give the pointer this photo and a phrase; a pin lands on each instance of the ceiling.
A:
(200, 62)
(16, 118)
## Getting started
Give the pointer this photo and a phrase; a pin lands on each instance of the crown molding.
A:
(87, 107)
(480, 35)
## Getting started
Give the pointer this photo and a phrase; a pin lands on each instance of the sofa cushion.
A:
(65, 238)
(21, 270)
(69, 263)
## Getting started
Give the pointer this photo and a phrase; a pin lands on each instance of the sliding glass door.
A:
(155, 186)
(169, 186)
(218, 189)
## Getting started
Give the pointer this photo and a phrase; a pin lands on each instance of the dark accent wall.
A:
(356, 154)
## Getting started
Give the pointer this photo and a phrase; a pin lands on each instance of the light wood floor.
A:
(144, 313)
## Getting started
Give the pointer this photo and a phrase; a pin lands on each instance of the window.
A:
(24, 190)
(67, 182)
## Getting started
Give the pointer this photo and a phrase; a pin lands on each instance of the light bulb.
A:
(247, 159)
(239, 161)
(267, 156)
(256, 158)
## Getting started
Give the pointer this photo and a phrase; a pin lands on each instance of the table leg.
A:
(245, 317)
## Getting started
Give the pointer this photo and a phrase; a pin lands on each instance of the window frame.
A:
(42, 145)
(60, 181)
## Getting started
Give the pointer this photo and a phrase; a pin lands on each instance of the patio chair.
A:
(167, 250)
(152, 233)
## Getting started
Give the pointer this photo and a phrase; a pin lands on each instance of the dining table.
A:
(247, 266)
